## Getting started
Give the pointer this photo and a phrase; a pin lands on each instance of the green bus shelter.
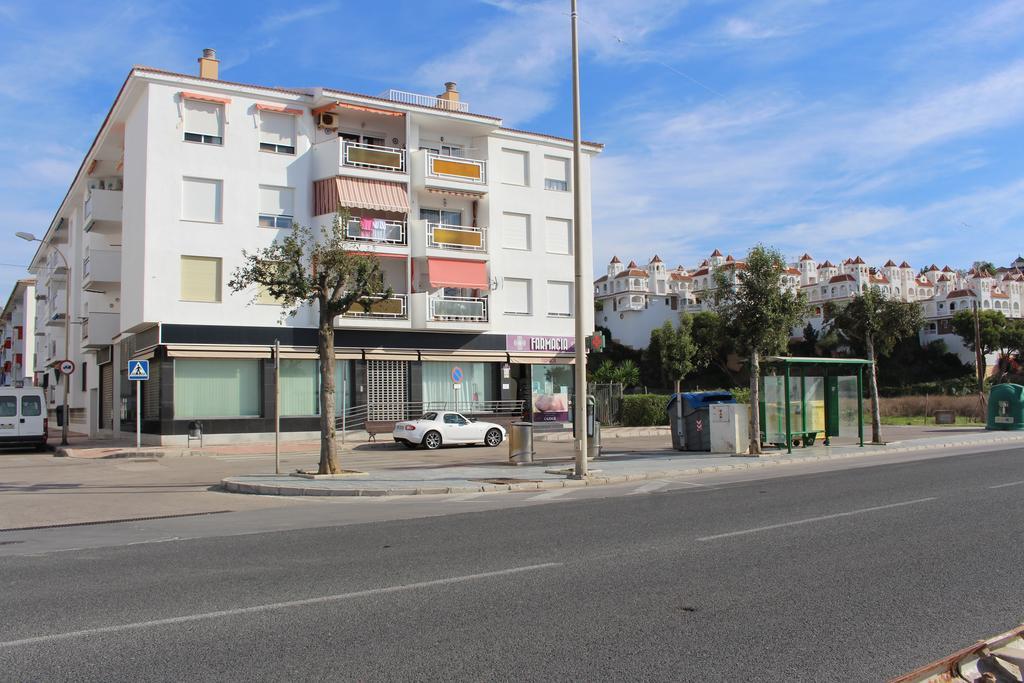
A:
(802, 398)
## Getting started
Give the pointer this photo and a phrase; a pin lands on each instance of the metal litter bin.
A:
(594, 440)
(520, 443)
(1006, 407)
(689, 418)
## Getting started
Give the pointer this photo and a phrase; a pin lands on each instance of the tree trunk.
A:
(325, 349)
(755, 403)
(876, 413)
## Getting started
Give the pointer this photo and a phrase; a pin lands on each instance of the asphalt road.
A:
(847, 575)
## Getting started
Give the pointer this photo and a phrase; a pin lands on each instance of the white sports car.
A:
(438, 427)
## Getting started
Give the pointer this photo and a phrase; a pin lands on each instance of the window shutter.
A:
(277, 201)
(516, 231)
(559, 298)
(204, 118)
(514, 167)
(517, 296)
(201, 200)
(200, 279)
(558, 235)
(265, 298)
(556, 168)
(277, 129)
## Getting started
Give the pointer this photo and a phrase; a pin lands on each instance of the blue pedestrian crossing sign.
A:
(138, 370)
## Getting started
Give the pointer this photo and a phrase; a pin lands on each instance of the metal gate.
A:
(106, 396)
(387, 389)
(608, 407)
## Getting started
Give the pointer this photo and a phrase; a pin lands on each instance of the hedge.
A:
(644, 410)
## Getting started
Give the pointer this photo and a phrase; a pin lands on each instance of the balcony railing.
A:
(376, 230)
(424, 100)
(458, 237)
(456, 168)
(362, 155)
(458, 308)
(393, 307)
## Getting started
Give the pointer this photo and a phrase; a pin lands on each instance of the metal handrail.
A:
(424, 100)
(394, 232)
(459, 308)
(349, 145)
(432, 240)
(479, 163)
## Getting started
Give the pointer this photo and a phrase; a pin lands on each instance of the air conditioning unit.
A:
(327, 120)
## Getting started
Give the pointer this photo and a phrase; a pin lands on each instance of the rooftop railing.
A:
(424, 100)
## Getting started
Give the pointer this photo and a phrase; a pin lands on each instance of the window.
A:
(517, 296)
(8, 406)
(441, 216)
(300, 385)
(277, 206)
(477, 386)
(516, 231)
(200, 279)
(558, 235)
(216, 387)
(277, 132)
(556, 174)
(559, 299)
(31, 406)
(514, 167)
(363, 138)
(444, 149)
(204, 122)
(85, 384)
(265, 298)
(201, 199)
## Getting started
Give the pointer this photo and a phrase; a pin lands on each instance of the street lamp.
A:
(580, 407)
(29, 237)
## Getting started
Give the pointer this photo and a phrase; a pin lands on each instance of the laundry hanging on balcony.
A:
(457, 273)
(359, 193)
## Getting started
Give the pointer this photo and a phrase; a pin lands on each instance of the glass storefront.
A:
(300, 387)
(441, 391)
(552, 385)
(216, 387)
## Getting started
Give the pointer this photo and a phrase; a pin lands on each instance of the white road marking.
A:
(465, 497)
(550, 495)
(273, 606)
(815, 519)
(1011, 483)
(649, 487)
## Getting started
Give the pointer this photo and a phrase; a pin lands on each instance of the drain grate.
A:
(112, 521)
(507, 480)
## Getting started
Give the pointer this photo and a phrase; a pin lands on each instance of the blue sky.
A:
(880, 128)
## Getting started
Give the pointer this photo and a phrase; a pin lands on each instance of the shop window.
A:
(216, 387)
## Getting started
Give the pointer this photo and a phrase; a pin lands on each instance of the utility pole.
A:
(580, 406)
(979, 354)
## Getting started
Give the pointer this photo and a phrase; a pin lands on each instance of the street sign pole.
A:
(138, 415)
(277, 406)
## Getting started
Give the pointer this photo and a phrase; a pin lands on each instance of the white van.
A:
(23, 417)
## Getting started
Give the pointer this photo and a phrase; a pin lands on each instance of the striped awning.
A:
(359, 193)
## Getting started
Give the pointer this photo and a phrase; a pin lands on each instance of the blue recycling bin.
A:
(689, 416)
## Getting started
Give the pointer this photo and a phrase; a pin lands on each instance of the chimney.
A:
(450, 97)
(208, 64)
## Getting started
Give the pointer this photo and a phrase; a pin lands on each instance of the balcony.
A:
(99, 329)
(393, 308)
(456, 237)
(376, 231)
(460, 309)
(103, 210)
(432, 171)
(424, 100)
(360, 155)
(101, 268)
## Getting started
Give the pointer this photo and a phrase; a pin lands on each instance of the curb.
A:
(271, 490)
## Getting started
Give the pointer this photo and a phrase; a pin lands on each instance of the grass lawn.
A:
(923, 420)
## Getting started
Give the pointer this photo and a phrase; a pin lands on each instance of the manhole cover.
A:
(507, 480)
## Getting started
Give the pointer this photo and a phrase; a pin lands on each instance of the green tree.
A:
(315, 268)
(808, 346)
(669, 356)
(712, 345)
(992, 325)
(758, 312)
(876, 322)
(627, 374)
(604, 373)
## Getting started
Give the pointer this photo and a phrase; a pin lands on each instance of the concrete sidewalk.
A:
(612, 468)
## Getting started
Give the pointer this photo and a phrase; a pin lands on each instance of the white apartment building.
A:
(17, 335)
(471, 220)
(635, 300)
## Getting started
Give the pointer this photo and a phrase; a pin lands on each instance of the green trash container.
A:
(1006, 407)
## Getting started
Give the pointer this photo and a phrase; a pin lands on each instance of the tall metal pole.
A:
(277, 406)
(67, 347)
(580, 405)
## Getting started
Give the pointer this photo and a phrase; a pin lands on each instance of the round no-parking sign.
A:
(66, 366)
(457, 375)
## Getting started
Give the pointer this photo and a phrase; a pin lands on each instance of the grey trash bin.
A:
(594, 440)
(520, 443)
(689, 418)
